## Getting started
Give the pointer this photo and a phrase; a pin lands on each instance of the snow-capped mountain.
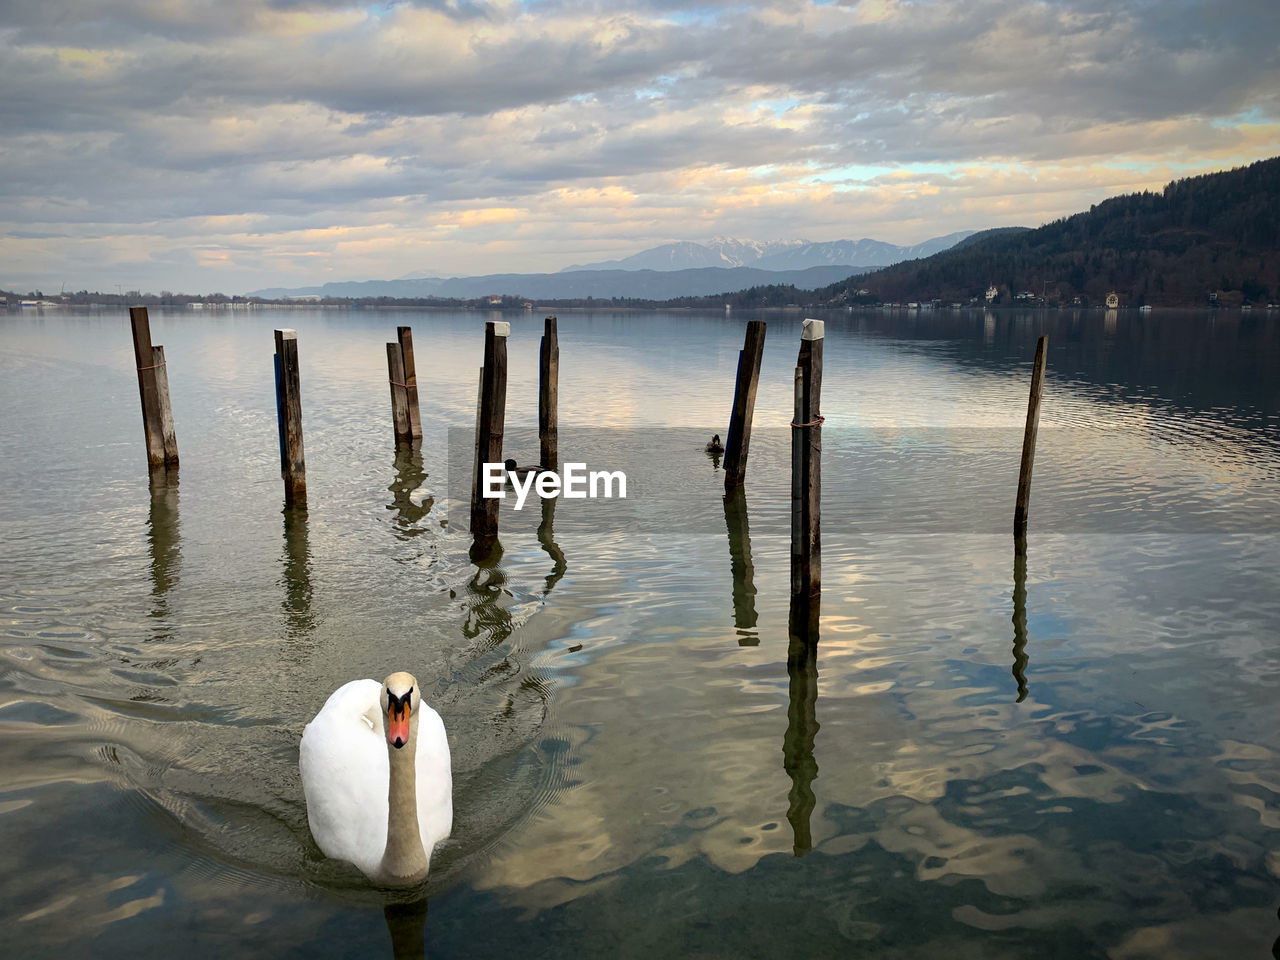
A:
(774, 254)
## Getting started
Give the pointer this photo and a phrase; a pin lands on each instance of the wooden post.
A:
(475, 453)
(549, 395)
(1023, 504)
(293, 464)
(410, 380)
(744, 405)
(144, 360)
(493, 413)
(166, 411)
(400, 405)
(806, 465)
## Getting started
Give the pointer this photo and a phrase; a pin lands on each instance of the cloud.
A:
(138, 127)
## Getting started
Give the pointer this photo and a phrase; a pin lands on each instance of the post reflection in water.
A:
(802, 722)
(406, 923)
(546, 537)
(410, 474)
(486, 613)
(1020, 658)
(742, 568)
(164, 537)
(297, 574)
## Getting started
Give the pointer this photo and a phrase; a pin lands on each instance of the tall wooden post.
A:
(410, 380)
(162, 446)
(806, 465)
(293, 464)
(744, 405)
(400, 416)
(1023, 505)
(493, 404)
(166, 410)
(549, 395)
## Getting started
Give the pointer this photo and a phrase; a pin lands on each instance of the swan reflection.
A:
(406, 922)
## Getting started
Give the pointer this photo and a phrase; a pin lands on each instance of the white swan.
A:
(369, 800)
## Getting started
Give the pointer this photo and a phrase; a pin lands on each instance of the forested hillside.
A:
(1213, 234)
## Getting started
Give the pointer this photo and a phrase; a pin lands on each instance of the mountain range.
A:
(577, 285)
(774, 254)
(683, 269)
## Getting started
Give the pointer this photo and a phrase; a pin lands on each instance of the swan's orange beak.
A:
(398, 723)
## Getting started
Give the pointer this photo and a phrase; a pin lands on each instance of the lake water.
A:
(1075, 757)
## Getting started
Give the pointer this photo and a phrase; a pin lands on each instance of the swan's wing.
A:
(343, 760)
(435, 779)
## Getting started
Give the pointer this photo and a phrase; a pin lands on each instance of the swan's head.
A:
(400, 700)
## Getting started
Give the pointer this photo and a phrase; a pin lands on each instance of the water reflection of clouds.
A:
(1135, 785)
(917, 732)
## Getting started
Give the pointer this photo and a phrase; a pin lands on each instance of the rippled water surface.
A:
(1073, 756)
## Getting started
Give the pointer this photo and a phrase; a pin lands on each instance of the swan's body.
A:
(378, 785)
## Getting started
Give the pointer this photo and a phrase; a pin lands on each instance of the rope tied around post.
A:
(397, 383)
(812, 423)
(154, 366)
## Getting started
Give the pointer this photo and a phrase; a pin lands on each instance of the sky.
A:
(227, 145)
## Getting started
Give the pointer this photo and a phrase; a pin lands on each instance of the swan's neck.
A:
(404, 861)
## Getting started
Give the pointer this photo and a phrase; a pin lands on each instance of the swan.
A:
(370, 800)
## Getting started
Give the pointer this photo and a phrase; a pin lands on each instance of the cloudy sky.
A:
(203, 145)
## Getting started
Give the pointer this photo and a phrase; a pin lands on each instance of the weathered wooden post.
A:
(410, 380)
(157, 417)
(744, 405)
(549, 395)
(1023, 505)
(806, 465)
(166, 410)
(400, 417)
(493, 404)
(293, 464)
